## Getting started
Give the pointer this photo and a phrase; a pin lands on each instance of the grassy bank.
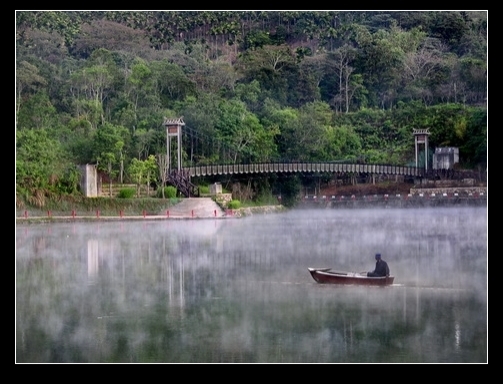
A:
(82, 206)
(106, 206)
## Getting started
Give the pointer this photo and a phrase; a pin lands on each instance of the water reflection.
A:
(239, 290)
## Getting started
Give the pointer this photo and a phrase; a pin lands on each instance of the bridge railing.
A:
(312, 167)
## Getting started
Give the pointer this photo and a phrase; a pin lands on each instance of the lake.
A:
(237, 290)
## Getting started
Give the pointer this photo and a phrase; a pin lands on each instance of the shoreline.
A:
(361, 203)
(206, 208)
(227, 214)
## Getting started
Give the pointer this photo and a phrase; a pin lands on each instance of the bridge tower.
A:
(421, 137)
(174, 128)
(179, 178)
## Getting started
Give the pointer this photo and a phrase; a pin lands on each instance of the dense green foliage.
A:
(95, 87)
(126, 193)
(234, 204)
(169, 192)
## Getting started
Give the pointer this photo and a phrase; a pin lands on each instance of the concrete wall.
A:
(89, 180)
(215, 189)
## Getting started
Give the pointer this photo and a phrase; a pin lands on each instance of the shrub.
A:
(169, 192)
(126, 193)
(204, 189)
(234, 204)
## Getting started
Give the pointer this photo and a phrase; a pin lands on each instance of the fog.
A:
(238, 290)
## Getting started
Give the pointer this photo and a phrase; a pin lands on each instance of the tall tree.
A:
(109, 145)
(37, 113)
(140, 86)
(136, 171)
(242, 131)
(28, 80)
(162, 166)
(40, 164)
(171, 82)
(340, 60)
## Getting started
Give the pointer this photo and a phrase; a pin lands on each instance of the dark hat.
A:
(378, 256)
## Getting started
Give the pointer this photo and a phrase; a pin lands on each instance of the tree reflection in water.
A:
(238, 290)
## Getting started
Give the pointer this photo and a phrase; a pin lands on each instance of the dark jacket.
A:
(381, 269)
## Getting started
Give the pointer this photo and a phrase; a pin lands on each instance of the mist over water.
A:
(238, 290)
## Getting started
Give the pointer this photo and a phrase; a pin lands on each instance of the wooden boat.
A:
(327, 276)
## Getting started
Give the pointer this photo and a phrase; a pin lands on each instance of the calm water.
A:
(238, 290)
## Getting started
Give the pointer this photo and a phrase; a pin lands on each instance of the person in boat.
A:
(381, 268)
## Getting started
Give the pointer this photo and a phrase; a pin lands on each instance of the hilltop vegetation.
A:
(95, 87)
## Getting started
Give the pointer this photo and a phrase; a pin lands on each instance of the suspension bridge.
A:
(204, 155)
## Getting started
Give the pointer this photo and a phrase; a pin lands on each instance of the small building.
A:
(445, 157)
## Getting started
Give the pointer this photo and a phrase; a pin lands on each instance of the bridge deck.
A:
(320, 167)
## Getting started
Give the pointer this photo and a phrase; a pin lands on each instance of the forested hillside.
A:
(95, 87)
